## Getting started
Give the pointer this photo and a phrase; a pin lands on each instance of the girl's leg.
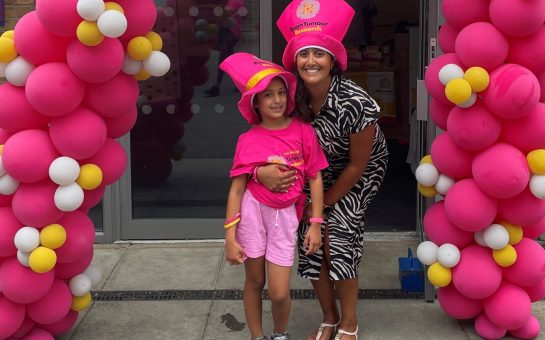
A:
(279, 293)
(253, 289)
(348, 294)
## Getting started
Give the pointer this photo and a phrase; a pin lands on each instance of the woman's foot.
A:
(344, 334)
(326, 331)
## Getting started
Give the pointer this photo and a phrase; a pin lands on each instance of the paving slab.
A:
(106, 257)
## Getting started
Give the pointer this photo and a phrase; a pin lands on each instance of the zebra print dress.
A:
(348, 109)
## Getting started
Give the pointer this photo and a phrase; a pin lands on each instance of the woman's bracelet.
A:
(316, 220)
(254, 175)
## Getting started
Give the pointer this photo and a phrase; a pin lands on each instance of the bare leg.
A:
(348, 294)
(279, 293)
(253, 289)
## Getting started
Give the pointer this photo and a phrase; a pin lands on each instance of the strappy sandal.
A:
(324, 325)
(342, 332)
(261, 338)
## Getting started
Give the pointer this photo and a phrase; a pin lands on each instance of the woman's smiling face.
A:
(314, 65)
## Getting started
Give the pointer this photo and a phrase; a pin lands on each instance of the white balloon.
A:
(18, 70)
(470, 102)
(68, 197)
(426, 174)
(448, 255)
(3, 69)
(94, 273)
(157, 64)
(496, 236)
(449, 72)
(90, 9)
(27, 239)
(80, 285)
(64, 170)
(444, 183)
(112, 23)
(2, 169)
(427, 252)
(131, 66)
(23, 258)
(537, 186)
(8, 185)
(478, 236)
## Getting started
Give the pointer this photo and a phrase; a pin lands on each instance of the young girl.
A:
(261, 226)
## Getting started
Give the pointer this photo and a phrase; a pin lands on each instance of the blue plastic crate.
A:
(411, 273)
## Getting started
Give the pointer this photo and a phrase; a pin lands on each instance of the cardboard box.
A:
(380, 86)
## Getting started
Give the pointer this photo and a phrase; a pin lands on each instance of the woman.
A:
(345, 121)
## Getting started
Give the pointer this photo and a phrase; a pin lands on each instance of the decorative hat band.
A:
(256, 78)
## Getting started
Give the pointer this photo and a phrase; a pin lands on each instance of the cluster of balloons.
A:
(487, 92)
(68, 95)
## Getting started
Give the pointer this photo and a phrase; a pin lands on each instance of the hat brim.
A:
(310, 39)
(245, 104)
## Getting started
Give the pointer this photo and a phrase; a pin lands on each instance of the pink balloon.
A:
(487, 330)
(4, 135)
(66, 271)
(450, 159)
(447, 37)
(80, 234)
(62, 326)
(79, 134)
(431, 77)
(476, 276)
(481, 44)
(526, 51)
(457, 305)
(534, 230)
(517, 18)
(9, 227)
(440, 230)
(522, 209)
(27, 156)
(460, 13)
(33, 204)
(111, 159)
(140, 16)
(12, 316)
(92, 197)
(529, 331)
(122, 124)
(25, 328)
(536, 292)
(541, 79)
(501, 171)
(439, 113)
(529, 269)
(16, 114)
(60, 17)
(5, 200)
(531, 126)
(509, 307)
(100, 98)
(513, 91)
(53, 90)
(36, 44)
(38, 334)
(474, 128)
(54, 306)
(21, 285)
(96, 64)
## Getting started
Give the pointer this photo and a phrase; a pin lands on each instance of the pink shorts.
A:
(267, 231)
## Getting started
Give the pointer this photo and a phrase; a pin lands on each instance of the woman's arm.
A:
(233, 252)
(313, 237)
(275, 177)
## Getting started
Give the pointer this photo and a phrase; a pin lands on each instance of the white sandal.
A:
(340, 333)
(324, 325)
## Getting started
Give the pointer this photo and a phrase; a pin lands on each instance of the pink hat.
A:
(252, 75)
(315, 23)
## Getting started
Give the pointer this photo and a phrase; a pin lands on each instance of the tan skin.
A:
(271, 104)
(313, 66)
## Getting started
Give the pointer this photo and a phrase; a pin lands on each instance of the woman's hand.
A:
(276, 177)
(313, 239)
(234, 253)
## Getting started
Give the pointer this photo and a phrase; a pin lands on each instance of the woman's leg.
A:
(279, 293)
(348, 294)
(253, 289)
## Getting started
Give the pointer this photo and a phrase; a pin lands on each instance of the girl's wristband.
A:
(230, 222)
(316, 220)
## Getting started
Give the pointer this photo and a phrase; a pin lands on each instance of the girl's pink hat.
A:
(315, 23)
(252, 75)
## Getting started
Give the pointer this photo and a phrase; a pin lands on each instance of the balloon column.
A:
(71, 69)
(487, 91)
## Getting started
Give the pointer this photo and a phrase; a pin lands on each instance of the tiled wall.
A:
(15, 9)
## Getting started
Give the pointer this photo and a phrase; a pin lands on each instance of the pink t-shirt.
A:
(295, 146)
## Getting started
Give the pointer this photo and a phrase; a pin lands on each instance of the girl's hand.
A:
(276, 177)
(313, 239)
(234, 253)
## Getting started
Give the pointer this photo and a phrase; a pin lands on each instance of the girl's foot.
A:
(326, 331)
(346, 335)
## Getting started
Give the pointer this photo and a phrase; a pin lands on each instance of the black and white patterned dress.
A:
(348, 109)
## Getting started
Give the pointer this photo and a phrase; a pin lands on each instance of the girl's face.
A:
(314, 65)
(271, 103)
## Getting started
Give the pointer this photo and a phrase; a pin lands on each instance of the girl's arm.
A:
(313, 237)
(277, 178)
(234, 253)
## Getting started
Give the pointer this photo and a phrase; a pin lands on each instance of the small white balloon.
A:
(3, 69)
(448, 255)
(17, 71)
(112, 24)
(427, 252)
(2, 169)
(8, 185)
(23, 258)
(537, 186)
(157, 64)
(444, 183)
(496, 236)
(27, 239)
(80, 285)
(94, 273)
(426, 174)
(470, 102)
(131, 66)
(449, 72)
(478, 236)
(90, 9)
(171, 108)
(64, 170)
(68, 197)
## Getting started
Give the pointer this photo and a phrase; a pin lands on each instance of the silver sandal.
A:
(261, 338)
(324, 325)
(280, 336)
(340, 333)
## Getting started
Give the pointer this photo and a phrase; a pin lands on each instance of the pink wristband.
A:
(316, 220)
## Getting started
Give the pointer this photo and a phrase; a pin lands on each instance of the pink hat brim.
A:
(245, 104)
(314, 40)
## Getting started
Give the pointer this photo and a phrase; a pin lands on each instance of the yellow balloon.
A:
(142, 75)
(7, 50)
(505, 256)
(89, 34)
(79, 303)
(42, 259)
(7, 34)
(155, 40)
(1, 149)
(439, 276)
(458, 90)
(90, 176)
(478, 78)
(515, 232)
(426, 159)
(536, 161)
(113, 6)
(427, 191)
(139, 48)
(53, 236)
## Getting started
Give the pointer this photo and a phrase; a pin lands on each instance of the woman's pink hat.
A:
(315, 23)
(252, 75)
